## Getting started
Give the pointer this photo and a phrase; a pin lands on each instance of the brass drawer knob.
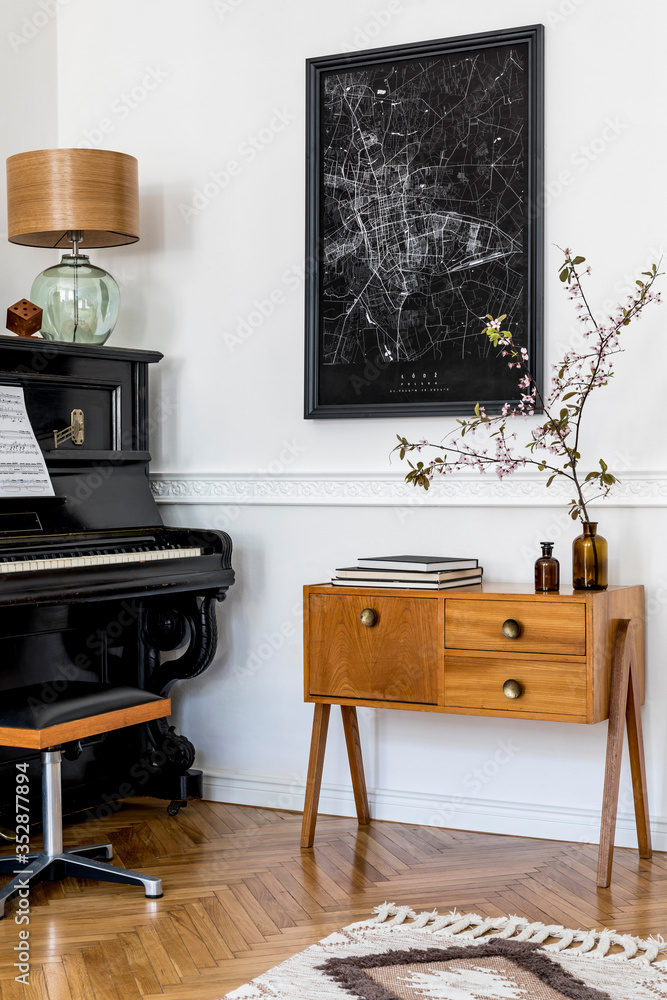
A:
(511, 629)
(512, 689)
(368, 617)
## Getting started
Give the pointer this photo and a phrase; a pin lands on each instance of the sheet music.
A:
(23, 471)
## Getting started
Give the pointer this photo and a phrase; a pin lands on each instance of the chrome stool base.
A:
(79, 862)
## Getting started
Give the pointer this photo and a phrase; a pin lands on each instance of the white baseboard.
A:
(456, 812)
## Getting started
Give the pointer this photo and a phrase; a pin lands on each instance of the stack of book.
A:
(406, 572)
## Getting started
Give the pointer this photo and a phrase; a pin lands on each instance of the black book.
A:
(424, 563)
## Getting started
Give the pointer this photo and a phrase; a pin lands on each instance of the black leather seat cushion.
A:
(38, 706)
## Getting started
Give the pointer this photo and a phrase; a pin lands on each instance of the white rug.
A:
(402, 955)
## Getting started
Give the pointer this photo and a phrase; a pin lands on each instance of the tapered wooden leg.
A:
(351, 728)
(637, 765)
(623, 707)
(315, 765)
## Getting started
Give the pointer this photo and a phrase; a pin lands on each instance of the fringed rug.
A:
(403, 955)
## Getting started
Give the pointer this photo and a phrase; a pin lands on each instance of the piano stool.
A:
(84, 709)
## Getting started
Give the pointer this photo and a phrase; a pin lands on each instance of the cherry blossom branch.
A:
(573, 381)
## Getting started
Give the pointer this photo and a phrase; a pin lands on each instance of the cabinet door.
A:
(394, 659)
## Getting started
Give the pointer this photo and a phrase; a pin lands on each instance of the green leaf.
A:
(569, 395)
(603, 465)
(578, 260)
(574, 513)
(563, 274)
(551, 479)
(476, 409)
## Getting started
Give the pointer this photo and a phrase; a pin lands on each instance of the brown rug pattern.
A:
(403, 955)
(518, 967)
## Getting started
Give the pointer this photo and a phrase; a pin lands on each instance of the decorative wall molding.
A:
(456, 812)
(318, 489)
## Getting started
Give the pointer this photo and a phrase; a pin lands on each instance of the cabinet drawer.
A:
(543, 628)
(546, 688)
(395, 659)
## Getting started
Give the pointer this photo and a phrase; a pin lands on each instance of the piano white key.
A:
(109, 559)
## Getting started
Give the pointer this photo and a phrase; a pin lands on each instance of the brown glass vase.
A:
(589, 559)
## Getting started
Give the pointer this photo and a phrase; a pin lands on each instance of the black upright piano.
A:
(93, 586)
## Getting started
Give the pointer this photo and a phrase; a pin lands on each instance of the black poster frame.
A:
(366, 376)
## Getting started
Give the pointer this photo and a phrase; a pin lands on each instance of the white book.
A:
(402, 585)
(419, 576)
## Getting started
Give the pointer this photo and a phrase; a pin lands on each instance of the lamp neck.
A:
(75, 236)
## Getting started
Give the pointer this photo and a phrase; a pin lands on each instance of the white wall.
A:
(182, 87)
(28, 120)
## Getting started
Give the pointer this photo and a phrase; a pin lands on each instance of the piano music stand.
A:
(84, 709)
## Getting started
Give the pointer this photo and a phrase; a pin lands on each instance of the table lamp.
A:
(86, 198)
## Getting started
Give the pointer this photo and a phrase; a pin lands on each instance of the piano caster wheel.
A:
(175, 806)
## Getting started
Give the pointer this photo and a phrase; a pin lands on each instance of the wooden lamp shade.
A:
(51, 192)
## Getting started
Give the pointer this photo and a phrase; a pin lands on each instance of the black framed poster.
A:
(424, 213)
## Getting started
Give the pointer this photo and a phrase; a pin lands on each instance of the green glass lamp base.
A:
(80, 302)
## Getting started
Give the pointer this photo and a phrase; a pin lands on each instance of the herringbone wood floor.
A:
(240, 896)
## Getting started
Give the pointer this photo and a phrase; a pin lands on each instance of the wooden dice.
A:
(24, 318)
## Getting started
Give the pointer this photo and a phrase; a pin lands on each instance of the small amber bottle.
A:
(547, 570)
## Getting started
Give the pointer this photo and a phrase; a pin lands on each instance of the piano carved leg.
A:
(187, 622)
(173, 752)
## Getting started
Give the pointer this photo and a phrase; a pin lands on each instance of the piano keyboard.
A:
(59, 561)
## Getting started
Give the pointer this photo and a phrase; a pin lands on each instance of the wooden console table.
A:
(497, 649)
